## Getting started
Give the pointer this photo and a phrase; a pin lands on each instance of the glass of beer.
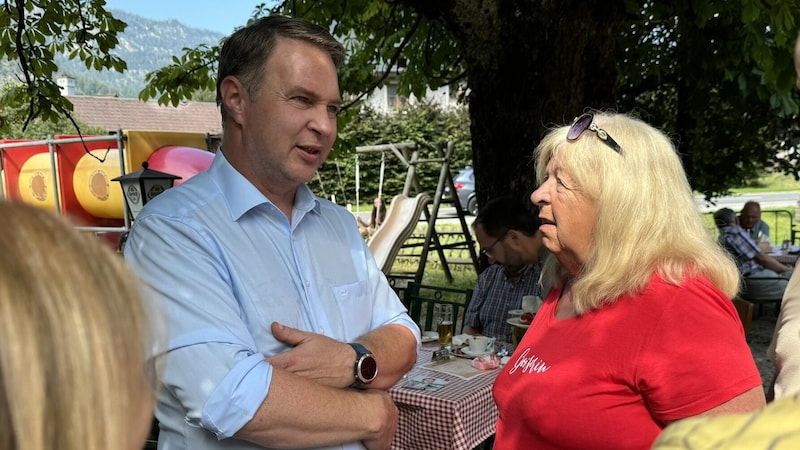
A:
(516, 334)
(443, 318)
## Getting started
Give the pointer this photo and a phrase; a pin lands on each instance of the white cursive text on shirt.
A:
(530, 364)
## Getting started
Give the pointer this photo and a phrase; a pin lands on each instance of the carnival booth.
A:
(74, 175)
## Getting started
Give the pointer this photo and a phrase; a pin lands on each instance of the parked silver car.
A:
(464, 182)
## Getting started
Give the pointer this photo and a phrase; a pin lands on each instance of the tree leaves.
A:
(189, 73)
(33, 34)
(717, 76)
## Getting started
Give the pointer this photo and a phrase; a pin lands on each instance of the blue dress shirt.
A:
(226, 263)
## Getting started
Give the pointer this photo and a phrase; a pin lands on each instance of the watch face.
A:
(369, 368)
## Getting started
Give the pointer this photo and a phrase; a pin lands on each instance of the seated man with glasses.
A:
(508, 232)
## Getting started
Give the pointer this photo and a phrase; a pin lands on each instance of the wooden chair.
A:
(745, 310)
(420, 300)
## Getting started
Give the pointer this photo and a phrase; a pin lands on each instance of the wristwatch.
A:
(365, 369)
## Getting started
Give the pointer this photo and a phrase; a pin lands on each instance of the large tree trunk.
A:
(531, 65)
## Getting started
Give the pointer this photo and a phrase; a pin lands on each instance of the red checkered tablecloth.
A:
(459, 416)
(785, 258)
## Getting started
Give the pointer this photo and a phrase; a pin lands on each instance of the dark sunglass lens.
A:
(580, 125)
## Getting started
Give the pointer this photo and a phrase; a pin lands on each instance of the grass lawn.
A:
(774, 182)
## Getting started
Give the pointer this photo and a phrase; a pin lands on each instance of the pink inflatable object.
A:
(184, 162)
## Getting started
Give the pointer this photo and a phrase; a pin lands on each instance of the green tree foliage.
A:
(718, 76)
(426, 125)
(715, 75)
(32, 33)
(37, 129)
(189, 75)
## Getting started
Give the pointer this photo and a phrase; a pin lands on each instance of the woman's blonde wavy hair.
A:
(647, 220)
(73, 339)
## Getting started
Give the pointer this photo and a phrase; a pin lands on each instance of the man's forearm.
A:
(471, 330)
(393, 346)
(300, 413)
(771, 263)
(395, 350)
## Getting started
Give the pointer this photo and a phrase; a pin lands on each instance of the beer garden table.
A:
(458, 416)
(785, 258)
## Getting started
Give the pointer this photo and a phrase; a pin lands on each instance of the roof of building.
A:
(114, 113)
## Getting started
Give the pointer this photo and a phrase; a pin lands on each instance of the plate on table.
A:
(472, 354)
(429, 336)
(465, 352)
(516, 322)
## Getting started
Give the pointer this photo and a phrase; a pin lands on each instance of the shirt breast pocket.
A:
(355, 306)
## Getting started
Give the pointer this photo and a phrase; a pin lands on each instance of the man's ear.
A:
(513, 236)
(518, 240)
(234, 96)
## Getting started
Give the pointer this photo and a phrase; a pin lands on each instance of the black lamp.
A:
(141, 186)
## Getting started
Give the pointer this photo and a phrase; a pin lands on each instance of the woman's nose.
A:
(537, 196)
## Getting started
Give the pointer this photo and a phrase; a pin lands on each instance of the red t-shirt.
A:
(611, 377)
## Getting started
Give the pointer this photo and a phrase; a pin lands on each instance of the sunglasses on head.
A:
(586, 122)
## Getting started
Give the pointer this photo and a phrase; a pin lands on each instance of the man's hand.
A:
(383, 439)
(314, 356)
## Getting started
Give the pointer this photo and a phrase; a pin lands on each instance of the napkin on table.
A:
(487, 362)
(461, 339)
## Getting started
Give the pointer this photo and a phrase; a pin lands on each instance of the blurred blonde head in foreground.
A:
(73, 339)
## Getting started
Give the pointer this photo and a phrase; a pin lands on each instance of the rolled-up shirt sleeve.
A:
(232, 400)
(213, 367)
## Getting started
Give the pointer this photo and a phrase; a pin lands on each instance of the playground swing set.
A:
(407, 211)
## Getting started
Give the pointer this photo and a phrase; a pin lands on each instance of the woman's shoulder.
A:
(691, 282)
(692, 295)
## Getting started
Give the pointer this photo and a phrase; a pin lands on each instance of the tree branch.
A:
(392, 63)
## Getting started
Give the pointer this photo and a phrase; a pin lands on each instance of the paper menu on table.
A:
(425, 383)
(459, 367)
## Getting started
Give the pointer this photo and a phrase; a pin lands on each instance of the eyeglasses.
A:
(586, 122)
(486, 252)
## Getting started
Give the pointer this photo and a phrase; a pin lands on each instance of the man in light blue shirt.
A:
(278, 318)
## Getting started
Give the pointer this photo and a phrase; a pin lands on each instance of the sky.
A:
(219, 16)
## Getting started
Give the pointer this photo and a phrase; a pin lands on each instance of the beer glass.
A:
(443, 318)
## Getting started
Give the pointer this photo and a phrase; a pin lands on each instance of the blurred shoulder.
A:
(775, 426)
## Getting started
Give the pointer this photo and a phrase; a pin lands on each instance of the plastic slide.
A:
(400, 222)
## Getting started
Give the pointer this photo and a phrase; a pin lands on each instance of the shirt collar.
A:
(522, 272)
(241, 196)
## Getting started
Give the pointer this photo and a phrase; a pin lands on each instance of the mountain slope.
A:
(146, 45)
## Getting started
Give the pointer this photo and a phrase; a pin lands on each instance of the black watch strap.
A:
(365, 368)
